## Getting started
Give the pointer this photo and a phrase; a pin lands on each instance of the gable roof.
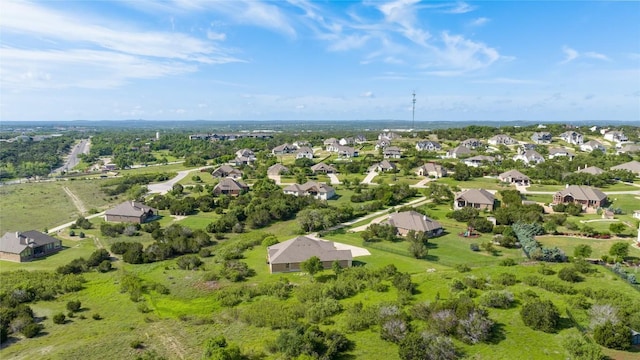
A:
(593, 170)
(277, 169)
(16, 242)
(229, 184)
(130, 208)
(413, 220)
(579, 192)
(302, 248)
(459, 150)
(633, 166)
(225, 170)
(323, 167)
(477, 196)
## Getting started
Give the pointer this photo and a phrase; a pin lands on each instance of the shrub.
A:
(96, 316)
(105, 266)
(581, 349)
(474, 247)
(59, 318)
(540, 315)
(74, 305)
(188, 262)
(462, 268)
(612, 336)
(569, 274)
(508, 262)
(269, 241)
(505, 279)
(136, 344)
(31, 330)
(497, 299)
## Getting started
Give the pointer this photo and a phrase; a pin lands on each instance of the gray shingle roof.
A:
(130, 208)
(477, 196)
(413, 220)
(514, 174)
(16, 242)
(633, 166)
(277, 169)
(302, 248)
(593, 170)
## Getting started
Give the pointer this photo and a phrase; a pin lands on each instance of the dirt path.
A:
(171, 343)
(76, 201)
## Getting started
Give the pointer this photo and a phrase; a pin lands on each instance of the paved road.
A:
(72, 160)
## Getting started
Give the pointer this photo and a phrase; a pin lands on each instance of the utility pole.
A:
(413, 113)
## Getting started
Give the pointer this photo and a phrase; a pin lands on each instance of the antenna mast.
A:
(413, 113)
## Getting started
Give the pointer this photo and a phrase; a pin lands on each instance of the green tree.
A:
(617, 228)
(613, 336)
(582, 251)
(312, 265)
(619, 250)
(540, 315)
(462, 172)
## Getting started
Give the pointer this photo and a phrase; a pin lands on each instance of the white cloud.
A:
(368, 94)
(403, 13)
(344, 43)
(502, 80)
(572, 54)
(463, 54)
(479, 21)
(215, 36)
(460, 8)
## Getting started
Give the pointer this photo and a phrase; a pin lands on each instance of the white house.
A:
(572, 137)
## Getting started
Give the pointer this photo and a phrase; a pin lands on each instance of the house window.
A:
(287, 266)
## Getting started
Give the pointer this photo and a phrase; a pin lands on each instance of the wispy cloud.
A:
(503, 80)
(572, 54)
(479, 21)
(460, 8)
(463, 55)
(109, 55)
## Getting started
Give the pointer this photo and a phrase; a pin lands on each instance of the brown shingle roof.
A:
(579, 192)
(130, 208)
(477, 196)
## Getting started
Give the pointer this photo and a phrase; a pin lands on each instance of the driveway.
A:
(164, 187)
(369, 177)
(334, 179)
(276, 178)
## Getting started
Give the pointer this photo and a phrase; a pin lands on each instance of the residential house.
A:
(616, 136)
(229, 186)
(242, 160)
(330, 141)
(593, 170)
(478, 160)
(392, 152)
(636, 214)
(428, 146)
(360, 139)
(527, 146)
(561, 152)
(529, 157)
(592, 145)
(633, 166)
(382, 143)
(514, 177)
(314, 189)
(284, 149)
(322, 168)
(502, 139)
(541, 137)
(586, 196)
(572, 137)
(346, 152)
(412, 220)
(471, 143)
(457, 152)
(333, 147)
(628, 149)
(432, 170)
(300, 143)
(388, 135)
(248, 153)
(130, 212)
(304, 152)
(277, 169)
(384, 165)
(348, 141)
(288, 255)
(476, 198)
(28, 245)
(227, 171)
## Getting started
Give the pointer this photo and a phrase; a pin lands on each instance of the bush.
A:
(269, 241)
(505, 279)
(96, 316)
(31, 330)
(474, 247)
(581, 349)
(540, 315)
(462, 268)
(74, 305)
(188, 262)
(59, 318)
(569, 274)
(612, 336)
(497, 299)
(508, 262)
(105, 266)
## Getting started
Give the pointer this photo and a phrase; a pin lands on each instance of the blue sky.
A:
(319, 60)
